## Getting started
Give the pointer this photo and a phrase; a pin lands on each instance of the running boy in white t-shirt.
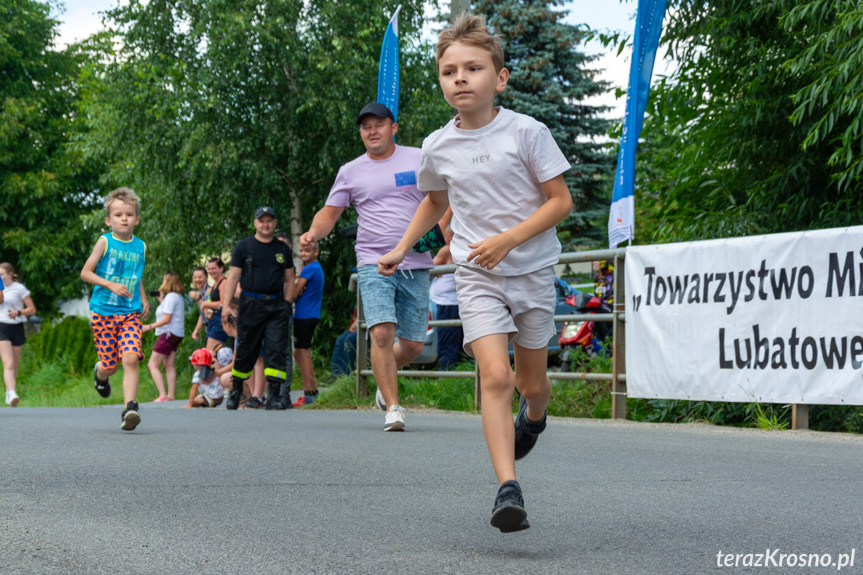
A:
(502, 174)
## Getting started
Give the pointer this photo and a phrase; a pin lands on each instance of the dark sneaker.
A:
(254, 403)
(508, 514)
(526, 431)
(130, 416)
(103, 387)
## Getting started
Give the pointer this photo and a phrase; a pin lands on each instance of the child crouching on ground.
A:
(501, 172)
(206, 377)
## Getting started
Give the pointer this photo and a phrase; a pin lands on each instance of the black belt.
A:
(263, 296)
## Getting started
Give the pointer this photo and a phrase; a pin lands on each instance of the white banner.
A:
(773, 319)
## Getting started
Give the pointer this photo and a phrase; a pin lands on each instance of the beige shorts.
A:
(520, 306)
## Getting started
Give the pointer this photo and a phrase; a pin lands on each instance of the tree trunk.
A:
(296, 228)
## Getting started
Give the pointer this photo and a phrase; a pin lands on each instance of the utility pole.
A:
(457, 7)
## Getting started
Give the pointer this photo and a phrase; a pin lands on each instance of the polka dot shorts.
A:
(115, 336)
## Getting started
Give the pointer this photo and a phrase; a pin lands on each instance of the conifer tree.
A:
(549, 80)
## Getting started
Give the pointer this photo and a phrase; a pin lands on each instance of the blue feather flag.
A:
(648, 25)
(388, 70)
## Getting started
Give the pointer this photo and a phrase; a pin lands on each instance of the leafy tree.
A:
(757, 131)
(210, 108)
(45, 187)
(830, 107)
(549, 81)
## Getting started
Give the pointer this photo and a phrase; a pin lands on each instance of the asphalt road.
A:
(307, 491)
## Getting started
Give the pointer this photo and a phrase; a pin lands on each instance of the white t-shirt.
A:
(13, 298)
(213, 389)
(493, 176)
(172, 304)
(442, 290)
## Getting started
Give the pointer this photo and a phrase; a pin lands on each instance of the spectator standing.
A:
(309, 294)
(199, 295)
(212, 306)
(289, 345)
(170, 327)
(265, 267)
(15, 306)
(382, 186)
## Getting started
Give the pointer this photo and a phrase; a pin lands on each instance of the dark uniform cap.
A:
(264, 211)
(375, 109)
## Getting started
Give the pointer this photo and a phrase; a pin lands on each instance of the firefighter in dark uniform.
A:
(264, 268)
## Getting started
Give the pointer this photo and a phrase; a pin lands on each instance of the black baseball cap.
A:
(375, 109)
(265, 211)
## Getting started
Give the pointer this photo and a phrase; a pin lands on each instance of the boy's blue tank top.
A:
(123, 263)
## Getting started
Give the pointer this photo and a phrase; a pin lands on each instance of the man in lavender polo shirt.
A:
(381, 186)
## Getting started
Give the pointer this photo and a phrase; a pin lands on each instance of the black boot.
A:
(273, 387)
(285, 395)
(235, 395)
(282, 395)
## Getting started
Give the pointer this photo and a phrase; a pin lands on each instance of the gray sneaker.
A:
(395, 419)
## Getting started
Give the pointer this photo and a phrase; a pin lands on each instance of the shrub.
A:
(68, 343)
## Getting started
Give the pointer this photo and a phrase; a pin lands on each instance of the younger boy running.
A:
(502, 174)
(307, 313)
(118, 302)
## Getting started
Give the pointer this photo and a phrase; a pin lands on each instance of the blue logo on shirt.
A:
(406, 179)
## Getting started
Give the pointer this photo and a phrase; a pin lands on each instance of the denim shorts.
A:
(402, 299)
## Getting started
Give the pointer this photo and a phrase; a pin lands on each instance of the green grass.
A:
(55, 384)
(51, 385)
(568, 398)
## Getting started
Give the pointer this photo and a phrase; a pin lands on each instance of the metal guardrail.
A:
(617, 377)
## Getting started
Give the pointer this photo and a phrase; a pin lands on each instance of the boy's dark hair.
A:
(472, 30)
